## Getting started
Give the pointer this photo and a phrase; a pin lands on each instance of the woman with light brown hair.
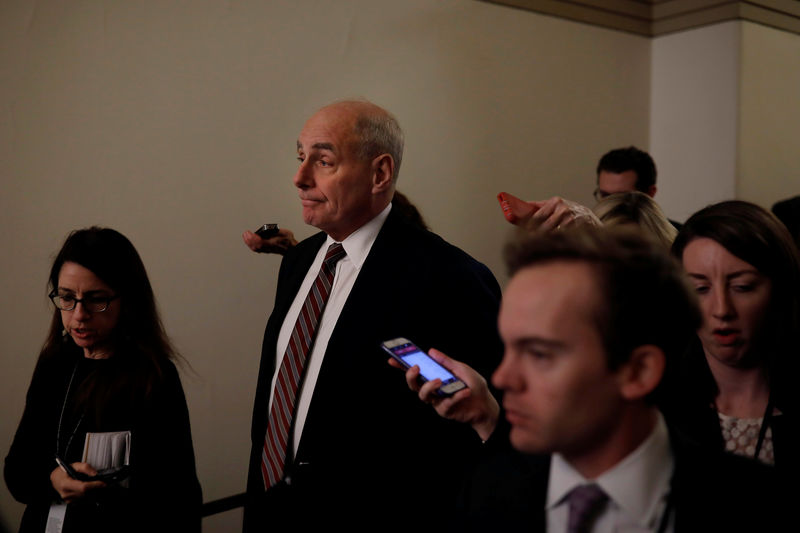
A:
(635, 208)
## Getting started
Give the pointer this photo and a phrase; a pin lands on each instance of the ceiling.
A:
(659, 17)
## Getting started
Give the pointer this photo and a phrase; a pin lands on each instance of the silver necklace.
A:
(61, 417)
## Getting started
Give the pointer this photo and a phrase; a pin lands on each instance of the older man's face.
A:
(334, 183)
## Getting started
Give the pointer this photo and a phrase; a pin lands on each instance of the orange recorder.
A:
(514, 209)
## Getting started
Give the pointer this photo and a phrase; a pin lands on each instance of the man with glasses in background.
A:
(625, 170)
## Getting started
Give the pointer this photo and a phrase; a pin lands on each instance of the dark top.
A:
(687, 404)
(369, 446)
(788, 211)
(163, 494)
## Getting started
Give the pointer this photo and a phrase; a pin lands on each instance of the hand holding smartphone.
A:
(409, 354)
(267, 230)
(71, 472)
(107, 475)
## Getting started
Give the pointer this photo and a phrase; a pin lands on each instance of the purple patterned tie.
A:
(273, 455)
(585, 503)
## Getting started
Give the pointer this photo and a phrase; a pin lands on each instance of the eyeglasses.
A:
(600, 194)
(93, 304)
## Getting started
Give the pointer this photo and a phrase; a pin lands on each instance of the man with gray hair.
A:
(334, 434)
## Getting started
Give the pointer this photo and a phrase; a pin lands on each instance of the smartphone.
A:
(409, 354)
(71, 472)
(267, 230)
(111, 475)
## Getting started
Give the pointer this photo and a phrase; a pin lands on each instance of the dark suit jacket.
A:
(687, 397)
(710, 491)
(369, 446)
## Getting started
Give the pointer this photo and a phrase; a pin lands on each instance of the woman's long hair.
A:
(757, 237)
(140, 346)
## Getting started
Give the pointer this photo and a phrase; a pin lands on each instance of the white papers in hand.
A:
(107, 450)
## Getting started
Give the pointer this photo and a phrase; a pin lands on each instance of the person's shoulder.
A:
(308, 245)
(501, 466)
(57, 366)
(164, 374)
(718, 466)
(710, 483)
(506, 489)
(314, 240)
(397, 229)
(145, 372)
(693, 456)
(170, 370)
(50, 374)
(507, 466)
(428, 246)
(304, 251)
(164, 389)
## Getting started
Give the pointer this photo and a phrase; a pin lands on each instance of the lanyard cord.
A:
(762, 433)
(61, 417)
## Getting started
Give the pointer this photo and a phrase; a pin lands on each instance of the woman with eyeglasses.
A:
(737, 389)
(105, 375)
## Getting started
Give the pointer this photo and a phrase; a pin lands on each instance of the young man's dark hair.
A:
(631, 158)
(646, 299)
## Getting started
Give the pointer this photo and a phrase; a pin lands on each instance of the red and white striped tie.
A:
(273, 456)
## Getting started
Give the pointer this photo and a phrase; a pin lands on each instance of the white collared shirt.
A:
(637, 488)
(357, 245)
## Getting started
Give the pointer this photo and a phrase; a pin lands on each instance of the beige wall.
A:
(725, 115)
(769, 143)
(694, 116)
(174, 122)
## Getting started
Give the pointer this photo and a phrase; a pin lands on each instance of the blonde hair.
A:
(637, 209)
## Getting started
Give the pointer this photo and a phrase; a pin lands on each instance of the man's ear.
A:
(651, 191)
(382, 172)
(643, 372)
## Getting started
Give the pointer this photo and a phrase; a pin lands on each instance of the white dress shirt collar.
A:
(358, 244)
(638, 485)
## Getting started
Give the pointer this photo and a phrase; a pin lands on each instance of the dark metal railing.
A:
(223, 504)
